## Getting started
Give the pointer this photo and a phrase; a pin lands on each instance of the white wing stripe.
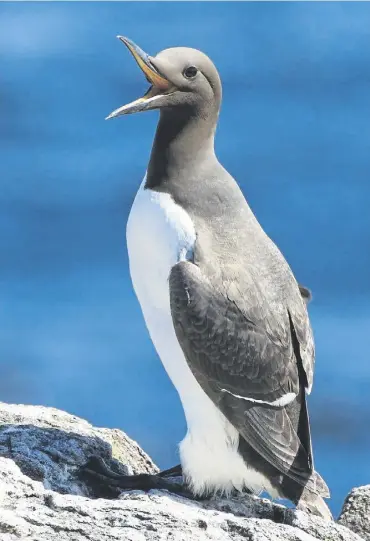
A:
(282, 401)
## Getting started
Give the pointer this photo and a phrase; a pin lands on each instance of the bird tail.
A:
(315, 504)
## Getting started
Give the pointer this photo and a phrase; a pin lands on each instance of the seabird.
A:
(221, 304)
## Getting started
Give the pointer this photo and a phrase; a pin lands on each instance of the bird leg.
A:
(176, 471)
(107, 482)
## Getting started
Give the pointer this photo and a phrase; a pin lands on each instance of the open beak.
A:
(160, 85)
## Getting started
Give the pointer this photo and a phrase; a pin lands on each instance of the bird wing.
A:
(243, 357)
(302, 334)
(306, 293)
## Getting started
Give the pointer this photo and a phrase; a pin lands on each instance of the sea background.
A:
(294, 131)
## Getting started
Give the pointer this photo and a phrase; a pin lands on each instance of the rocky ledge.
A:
(42, 497)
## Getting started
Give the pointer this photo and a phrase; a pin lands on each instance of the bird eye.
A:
(190, 72)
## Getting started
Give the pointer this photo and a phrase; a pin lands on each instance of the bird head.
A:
(179, 77)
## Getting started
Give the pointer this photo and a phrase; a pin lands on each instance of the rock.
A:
(50, 446)
(356, 511)
(42, 497)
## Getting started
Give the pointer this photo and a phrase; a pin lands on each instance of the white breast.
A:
(160, 233)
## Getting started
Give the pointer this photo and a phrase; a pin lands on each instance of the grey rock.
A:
(356, 511)
(50, 446)
(42, 497)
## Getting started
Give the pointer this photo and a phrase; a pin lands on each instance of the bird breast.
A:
(160, 233)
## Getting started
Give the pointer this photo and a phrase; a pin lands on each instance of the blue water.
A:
(295, 132)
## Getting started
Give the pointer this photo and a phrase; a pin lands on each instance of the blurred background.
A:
(294, 131)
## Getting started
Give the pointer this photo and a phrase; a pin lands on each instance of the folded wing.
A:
(243, 353)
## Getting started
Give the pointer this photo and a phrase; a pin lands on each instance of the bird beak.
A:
(160, 85)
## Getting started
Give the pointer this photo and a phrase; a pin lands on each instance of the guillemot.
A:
(221, 304)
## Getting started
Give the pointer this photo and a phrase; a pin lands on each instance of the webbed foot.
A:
(105, 482)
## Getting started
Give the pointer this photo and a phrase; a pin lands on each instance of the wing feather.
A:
(242, 353)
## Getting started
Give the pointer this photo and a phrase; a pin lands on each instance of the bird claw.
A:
(176, 471)
(105, 482)
(97, 464)
(94, 476)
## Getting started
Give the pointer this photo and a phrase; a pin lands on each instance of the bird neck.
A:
(182, 143)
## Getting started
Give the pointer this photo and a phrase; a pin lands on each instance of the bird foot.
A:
(176, 471)
(107, 483)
